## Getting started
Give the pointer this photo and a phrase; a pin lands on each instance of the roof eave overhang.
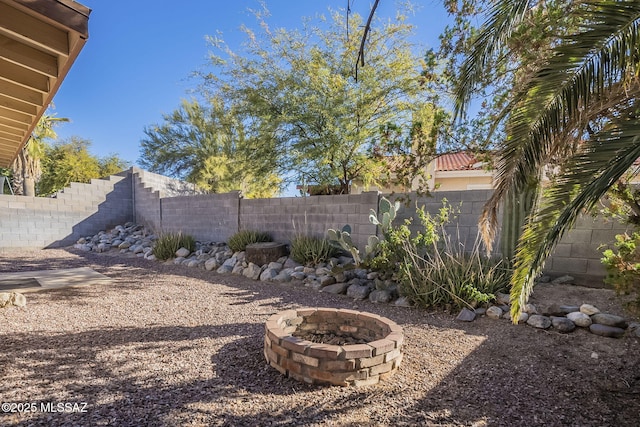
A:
(39, 42)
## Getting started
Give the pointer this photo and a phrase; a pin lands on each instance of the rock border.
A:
(132, 239)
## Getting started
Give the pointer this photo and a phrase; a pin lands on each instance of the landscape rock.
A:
(326, 280)
(538, 321)
(211, 264)
(238, 269)
(283, 277)
(268, 274)
(606, 331)
(562, 324)
(403, 302)
(580, 319)
(224, 269)
(290, 263)
(358, 291)
(338, 288)
(466, 315)
(231, 262)
(523, 318)
(297, 275)
(313, 284)
(252, 271)
(380, 296)
(18, 299)
(530, 309)
(275, 266)
(609, 320)
(480, 311)
(340, 277)
(5, 299)
(588, 309)
(566, 279)
(494, 312)
(560, 310)
(322, 271)
(502, 299)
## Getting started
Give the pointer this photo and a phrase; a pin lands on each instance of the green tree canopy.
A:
(208, 145)
(303, 110)
(70, 161)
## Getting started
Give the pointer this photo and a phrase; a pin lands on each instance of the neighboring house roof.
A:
(457, 162)
(39, 41)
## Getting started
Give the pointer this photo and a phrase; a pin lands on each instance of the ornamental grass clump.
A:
(449, 276)
(309, 250)
(239, 241)
(168, 243)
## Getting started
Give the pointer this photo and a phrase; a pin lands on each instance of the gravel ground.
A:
(167, 345)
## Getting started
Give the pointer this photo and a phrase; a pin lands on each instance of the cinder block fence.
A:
(166, 204)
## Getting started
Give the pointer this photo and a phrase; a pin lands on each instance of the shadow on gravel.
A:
(239, 368)
(500, 375)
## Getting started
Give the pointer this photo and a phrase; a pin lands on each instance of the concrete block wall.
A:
(165, 186)
(146, 209)
(463, 229)
(578, 252)
(162, 203)
(207, 217)
(76, 211)
(283, 218)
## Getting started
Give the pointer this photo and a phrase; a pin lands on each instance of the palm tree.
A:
(26, 168)
(579, 109)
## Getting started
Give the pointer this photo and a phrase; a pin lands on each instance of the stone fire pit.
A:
(333, 346)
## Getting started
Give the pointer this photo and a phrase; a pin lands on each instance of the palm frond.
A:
(593, 170)
(504, 17)
(590, 72)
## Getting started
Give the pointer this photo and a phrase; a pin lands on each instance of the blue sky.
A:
(136, 64)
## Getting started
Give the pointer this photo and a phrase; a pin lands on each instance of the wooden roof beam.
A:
(30, 79)
(31, 30)
(14, 125)
(19, 106)
(21, 93)
(28, 57)
(6, 130)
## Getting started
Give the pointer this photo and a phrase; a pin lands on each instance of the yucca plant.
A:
(168, 243)
(239, 241)
(447, 275)
(311, 250)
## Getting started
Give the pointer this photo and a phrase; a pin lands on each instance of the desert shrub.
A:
(431, 270)
(240, 240)
(623, 266)
(311, 250)
(168, 243)
(452, 277)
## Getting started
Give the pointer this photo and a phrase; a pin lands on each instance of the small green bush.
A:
(312, 250)
(168, 243)
(239, 241)
(452, 277)
(623, 267)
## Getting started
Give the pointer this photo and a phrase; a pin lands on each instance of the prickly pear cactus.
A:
(343, 239)
(387, 213)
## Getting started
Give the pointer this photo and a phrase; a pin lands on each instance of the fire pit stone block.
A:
(347, 365)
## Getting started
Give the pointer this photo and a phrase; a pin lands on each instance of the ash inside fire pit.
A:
(333, 346)
(328, 338)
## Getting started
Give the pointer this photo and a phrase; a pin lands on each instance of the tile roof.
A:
(456, 162)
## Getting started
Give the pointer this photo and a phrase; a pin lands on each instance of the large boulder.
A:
(265, 252)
